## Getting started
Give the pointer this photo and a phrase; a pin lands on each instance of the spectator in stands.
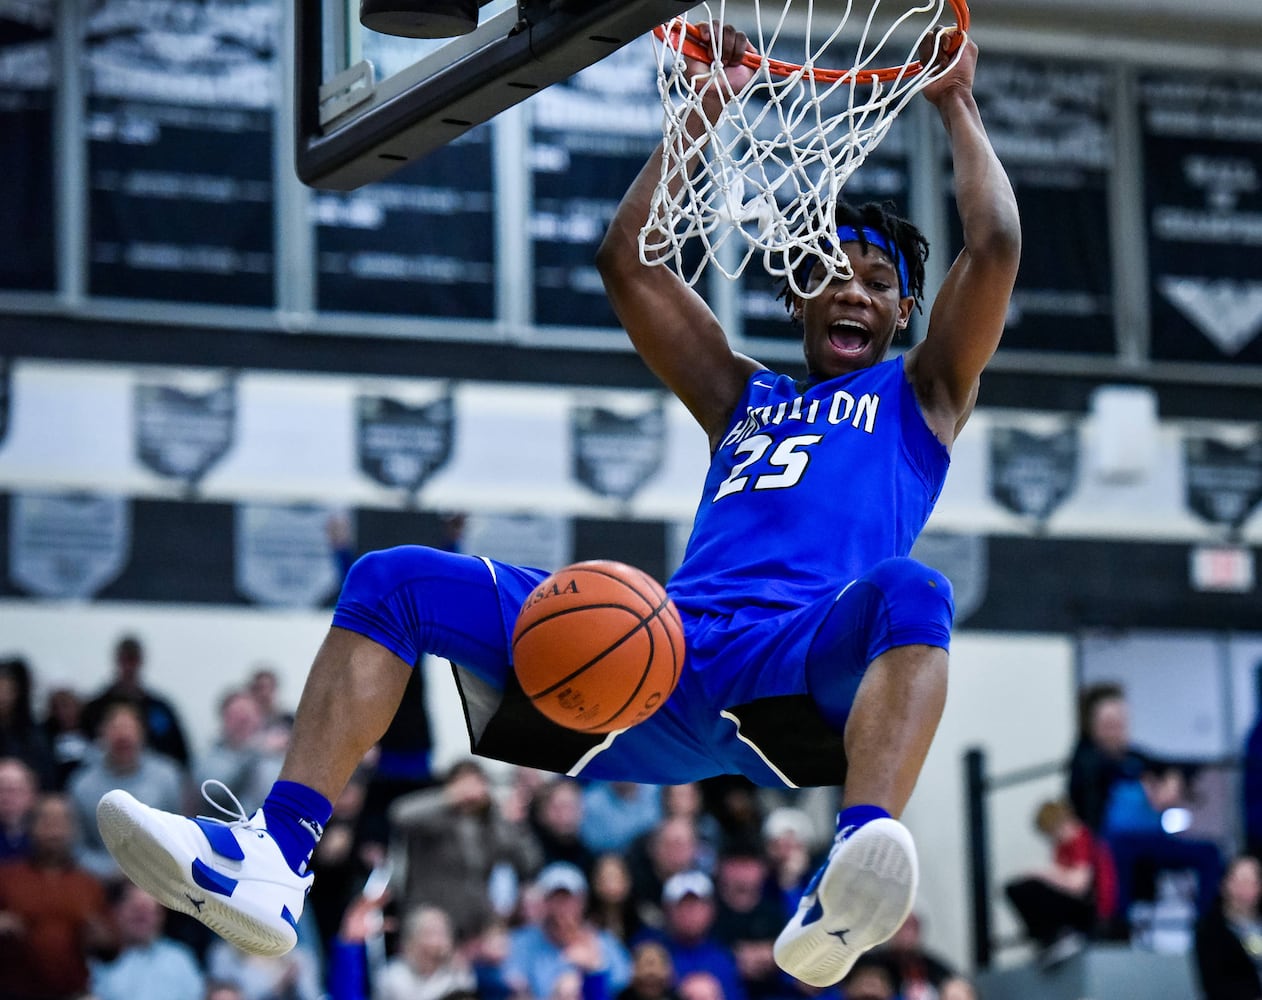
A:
(561, 940)
(652, 974)
(262, 687)
(958, 988)
(1251, 788)
(748, 919)
(427, 966)
(556, 817)
(164, 732)
(699, 985)
(17, 798)
(1103, 754)
(1136, 833)
(449, 840)
(1229, 936)
(125, 762)
(688, 934)
(1073, 898)
(732, 799)
(346, 964)
(789, 835)
(65, 734)
(687, 802)
(149, 966)
(613, 907)
(293, 976)
(244, 756)
(916, 973)
(616, 812)
(868, 980)
(487, 954)
(53, 915)
(20, 736)
(668, 849)
(221, 989)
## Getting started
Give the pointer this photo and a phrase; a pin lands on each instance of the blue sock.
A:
(295, 817)
(855, 816)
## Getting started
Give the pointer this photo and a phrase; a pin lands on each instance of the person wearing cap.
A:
(560, 940)
(688, 933)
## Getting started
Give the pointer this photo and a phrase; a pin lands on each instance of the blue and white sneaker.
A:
(859, 897)
(229, 875)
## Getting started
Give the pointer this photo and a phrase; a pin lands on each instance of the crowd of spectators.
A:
(508, 884)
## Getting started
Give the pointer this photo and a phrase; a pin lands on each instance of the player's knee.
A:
(916, 596)
(375, 575)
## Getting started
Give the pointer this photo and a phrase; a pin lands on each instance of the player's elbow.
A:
(618, 256)
(995, 236)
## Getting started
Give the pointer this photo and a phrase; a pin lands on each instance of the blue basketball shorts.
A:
(763, 695)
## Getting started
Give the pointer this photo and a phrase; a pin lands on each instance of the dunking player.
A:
(817, 651)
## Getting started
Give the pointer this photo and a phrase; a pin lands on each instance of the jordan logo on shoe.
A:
(199, 903)
(840, 934)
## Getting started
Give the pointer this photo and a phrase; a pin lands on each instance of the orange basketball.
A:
(598, 646)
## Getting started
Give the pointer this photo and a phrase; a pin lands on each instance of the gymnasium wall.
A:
(201, 362)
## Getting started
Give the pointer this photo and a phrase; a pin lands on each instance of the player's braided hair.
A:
(884, 218)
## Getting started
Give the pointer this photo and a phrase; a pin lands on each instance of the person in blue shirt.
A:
(149, 965)
(816, 648)
(563, 941)
(688, 933)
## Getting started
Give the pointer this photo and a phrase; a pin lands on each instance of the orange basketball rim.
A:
(695, 46)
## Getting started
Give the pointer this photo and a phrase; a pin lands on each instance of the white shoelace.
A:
(238, 817)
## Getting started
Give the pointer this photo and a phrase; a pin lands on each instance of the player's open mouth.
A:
(848, 337)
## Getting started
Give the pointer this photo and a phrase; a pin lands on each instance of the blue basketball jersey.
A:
(810, 486)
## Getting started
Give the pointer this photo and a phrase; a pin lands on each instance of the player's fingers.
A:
(733, 46)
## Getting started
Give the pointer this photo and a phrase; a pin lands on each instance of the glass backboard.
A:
(367, 103)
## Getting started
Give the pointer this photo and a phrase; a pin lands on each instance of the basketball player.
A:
(817, 651)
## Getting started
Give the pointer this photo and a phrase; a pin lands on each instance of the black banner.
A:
(419, 244)
(1203, 179)
(1224, 481)
(1050, 124)
(183, 552)
(181, 434)
(179, 123)
(615, 454)
(28, 247)
(401, 445)
(1032, 474)
(590, 136)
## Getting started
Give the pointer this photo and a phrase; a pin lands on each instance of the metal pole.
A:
(978, 854)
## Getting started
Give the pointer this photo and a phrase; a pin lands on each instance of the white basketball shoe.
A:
(229, 875)
(859, 897)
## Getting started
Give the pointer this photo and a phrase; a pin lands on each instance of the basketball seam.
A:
(644, 621)
(655, 615)
(640, 623)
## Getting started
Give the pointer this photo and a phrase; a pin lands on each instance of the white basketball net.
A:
(766, 176)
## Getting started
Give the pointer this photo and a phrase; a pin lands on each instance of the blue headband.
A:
(849, 234)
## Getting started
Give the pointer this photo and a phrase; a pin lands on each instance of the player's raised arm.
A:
(670, 325)
(968, 313)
